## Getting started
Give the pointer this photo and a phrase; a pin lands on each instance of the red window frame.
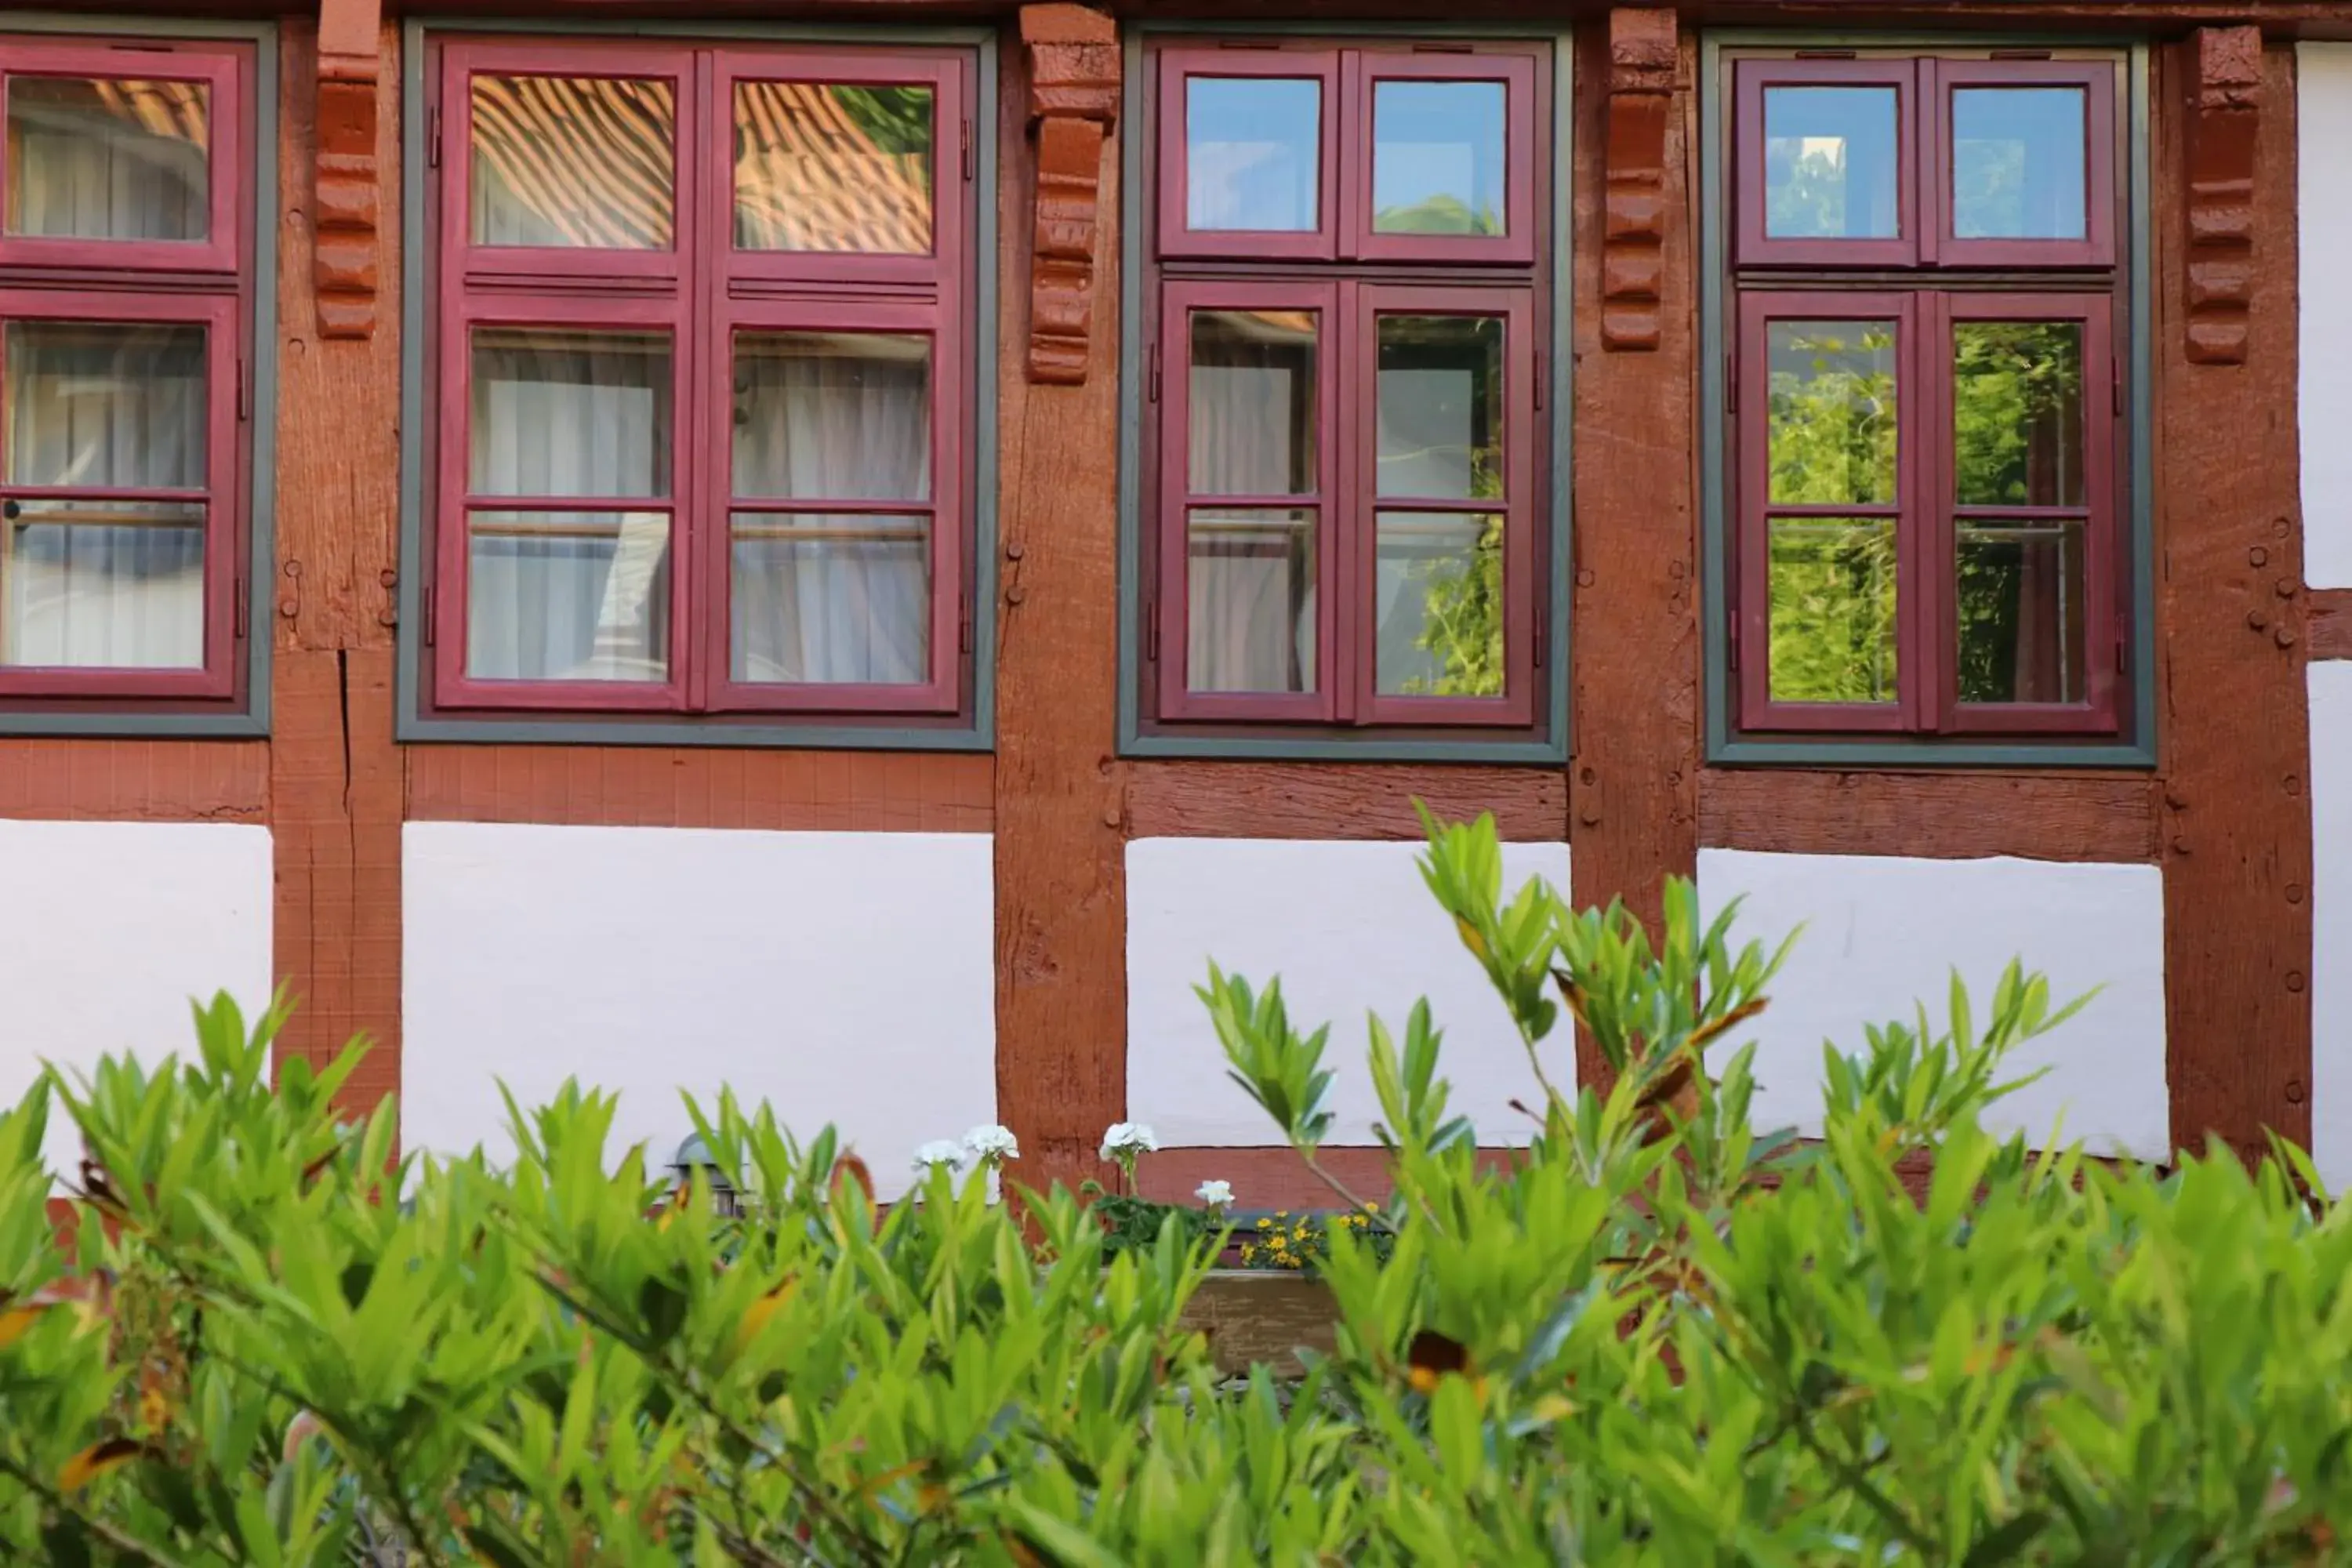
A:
(207, 283)
(1926, 284)
(1349, 276)
(702, 292)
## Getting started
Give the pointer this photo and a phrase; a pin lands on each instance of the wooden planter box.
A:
(1256, 1317)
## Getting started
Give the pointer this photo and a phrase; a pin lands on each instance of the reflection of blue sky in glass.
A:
(1437, 157)
(2018, 156)
(1252, 152)
(1829, 163)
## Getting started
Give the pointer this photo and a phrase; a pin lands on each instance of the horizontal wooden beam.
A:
(2327, 623)
(135, 781)
(1947, 817)
(1338, 800)
(693, 786)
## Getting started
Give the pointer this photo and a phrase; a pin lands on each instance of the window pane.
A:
(105, 405)
(91, 585)
(2020, 606)
(831, 599)
(1250, 590)
(1830, 169)
(573, 162)
(570, 413)
(1441, 406)
(1440, 604)
(567, 596)
(1253, 153)
(1833, 609)
(819, 166)
(1832, 413)
(833, 415)
(1251, 421)
(109, 158)
(1437, 157)
(2017, 413)
(2018, 155)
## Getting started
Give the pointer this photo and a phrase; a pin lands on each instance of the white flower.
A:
(1216, 1195)
(992, 1144)
(1129, 1139)
(939, 1151)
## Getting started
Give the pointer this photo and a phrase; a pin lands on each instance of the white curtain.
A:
(836, 597)
(579, 594)
(104, 584)
(107, 160)
(1251, 575)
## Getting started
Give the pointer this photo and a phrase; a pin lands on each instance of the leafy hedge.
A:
(1658, 1338)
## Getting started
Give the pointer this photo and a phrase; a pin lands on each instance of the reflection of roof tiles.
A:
(815, 178)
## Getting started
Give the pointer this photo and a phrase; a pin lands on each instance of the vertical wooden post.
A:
(2236, 727)
(1061, 961)
(1634, 779)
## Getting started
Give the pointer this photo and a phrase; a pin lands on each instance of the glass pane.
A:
(1440, 603)
(819, 166)
(573, 162)
(1833, 609)
(1253, 153)
(831, 599)
(2017, 413)
(1437, 157)
(1251, 419)
(2020, 605)
(833, 415)
(109, 158)
(570, 413)
(1829, 162)
(2018, 156)
(1441, 406)
(1250, 593)
(103, 584)
(1831, 413)
(567, 596)
(105, 405)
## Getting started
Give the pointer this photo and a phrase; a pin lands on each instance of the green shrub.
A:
(1658, 1336)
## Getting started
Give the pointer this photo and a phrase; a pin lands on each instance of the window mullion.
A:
(1347, 618)
(700, 473)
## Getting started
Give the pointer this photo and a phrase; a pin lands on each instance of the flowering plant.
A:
(992, 1145)
(939, 1151)
(1215, 1197)
(1124, 1143)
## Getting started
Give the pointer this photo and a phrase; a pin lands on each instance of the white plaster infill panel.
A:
(108, 931)
(843, 977)
(1349, 928)
(2330, 684)
(1883, 934)
(2323, 119)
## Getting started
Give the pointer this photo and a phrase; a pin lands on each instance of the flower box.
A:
(1256, 1317)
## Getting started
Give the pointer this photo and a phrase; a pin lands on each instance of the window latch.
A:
(1153, 390)
(1151, 631)
(433, 137)
(426, 614)
(1731, 633)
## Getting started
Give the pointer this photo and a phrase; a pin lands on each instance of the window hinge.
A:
(1151, 631)
(1732, 380)
(2115, 377)
(1539, 643)
(433, 137)
(970, 163)
(426, 614)
(1731, 634)
(1540, 380)
(244, 390)
(963, 629)
(1153, 379)
(2122, 643)
(242, 616)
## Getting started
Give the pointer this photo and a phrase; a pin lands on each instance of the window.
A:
(704, 375)
(1927, 399)
(126, 306)
(1344, 457)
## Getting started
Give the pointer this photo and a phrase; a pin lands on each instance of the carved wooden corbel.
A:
(344, 205)
(1642, 63)
(1073, 81)
(2225, 117)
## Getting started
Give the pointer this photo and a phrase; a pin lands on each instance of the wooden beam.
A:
(2237, 820)
(2225, 116)
(1338, 800)
(697, 786)
(344, 186)
(2327, 623)
(1073, 88)
(1957, 815)
(1641, 63)
(1061, 883)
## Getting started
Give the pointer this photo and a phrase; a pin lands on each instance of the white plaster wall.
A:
(1349, 928)
(843, 977)
(109, 929)
(2331, 921)
(1883, 933)
(2323, 227)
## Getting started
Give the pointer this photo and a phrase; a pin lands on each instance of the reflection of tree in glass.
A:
(1462, 619)
(1831, 420)
(896, 119)
(2017, 424)
(1989, 188)
(1806, 198)
(1442, 213)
